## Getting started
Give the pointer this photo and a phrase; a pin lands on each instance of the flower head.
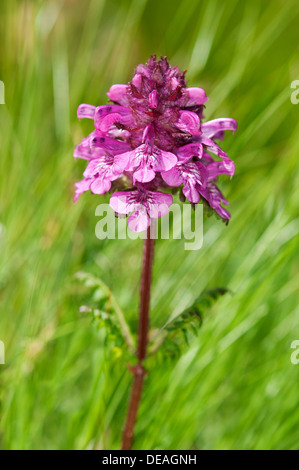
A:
(152, 136)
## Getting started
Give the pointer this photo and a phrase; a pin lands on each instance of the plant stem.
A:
(143, 327)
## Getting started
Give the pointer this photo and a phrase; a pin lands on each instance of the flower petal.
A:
(123, 160)
(197, 96)
(223, 212)
(161, 198)
(118, 94)
(191, 192)
(86, 153)
(226, 167)
(92, 168)
(164, 161)
(153, 99)
(111, 145)
(137, 80)
(106, 109)
(107, 115)
(172, 177)
(121, 202)
(86, 111)
(105, 124)
(158, 204)
(189, 151)
(100, 185)
(144, 175)
(211, 146)
(211, 128)
(81, 187)
(214, 197)
(189, 122)
(139, 221)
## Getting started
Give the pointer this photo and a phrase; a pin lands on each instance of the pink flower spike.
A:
(152, 136)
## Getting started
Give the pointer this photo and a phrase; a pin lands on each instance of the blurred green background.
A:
(235, 386)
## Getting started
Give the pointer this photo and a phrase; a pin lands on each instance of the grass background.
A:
(234, 387)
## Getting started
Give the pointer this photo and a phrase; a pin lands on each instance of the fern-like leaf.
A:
(105, 312)
(177, 332)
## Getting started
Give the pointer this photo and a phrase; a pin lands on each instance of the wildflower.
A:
(150, 138)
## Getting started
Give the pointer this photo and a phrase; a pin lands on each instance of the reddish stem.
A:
(139, 371)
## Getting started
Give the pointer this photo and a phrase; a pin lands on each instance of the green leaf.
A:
(105, 312)
(177, 333)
